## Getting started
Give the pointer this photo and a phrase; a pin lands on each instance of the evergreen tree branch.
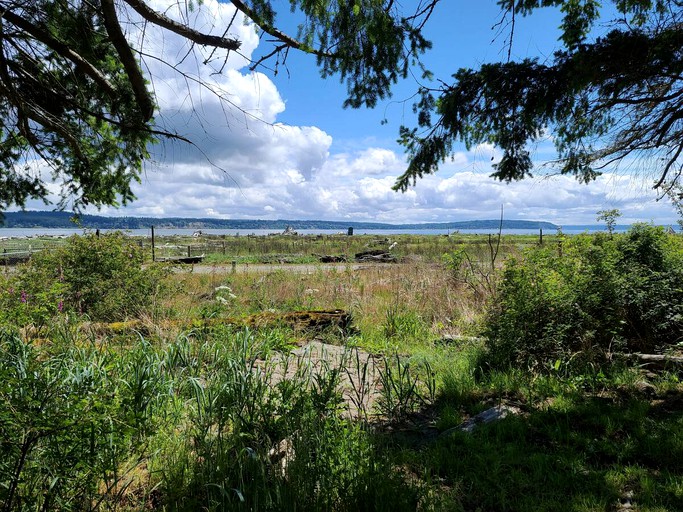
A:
(61, 48)
(137, 81)
(185, 31)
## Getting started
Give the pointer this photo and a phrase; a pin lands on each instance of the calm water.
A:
(32, 232)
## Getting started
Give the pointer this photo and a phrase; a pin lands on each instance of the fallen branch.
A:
(654, 360)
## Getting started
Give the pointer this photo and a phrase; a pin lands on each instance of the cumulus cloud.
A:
(245, 163)
(295, 177)
(230, 114)
(371, 161)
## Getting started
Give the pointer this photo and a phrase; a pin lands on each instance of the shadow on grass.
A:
(579, 453)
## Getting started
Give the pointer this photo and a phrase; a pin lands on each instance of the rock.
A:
(488, 416)
(625, 502)
(457, 338)
(645, 388)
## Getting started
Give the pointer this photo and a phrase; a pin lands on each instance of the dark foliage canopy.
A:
(602, 99)
(73, 92)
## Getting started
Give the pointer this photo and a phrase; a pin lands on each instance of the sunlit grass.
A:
(184, 409)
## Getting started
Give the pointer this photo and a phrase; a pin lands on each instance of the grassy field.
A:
(291, 249)
(199, 391)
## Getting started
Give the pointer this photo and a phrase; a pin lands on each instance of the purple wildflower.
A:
(60, 306)
(24, 296)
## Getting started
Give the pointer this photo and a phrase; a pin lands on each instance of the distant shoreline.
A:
(64, 220)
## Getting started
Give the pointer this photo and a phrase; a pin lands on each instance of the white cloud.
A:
(247, 164)
(372, 161)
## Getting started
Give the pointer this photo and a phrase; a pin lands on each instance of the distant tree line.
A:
(56, 219)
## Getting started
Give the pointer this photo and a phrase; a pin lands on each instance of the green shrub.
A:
(651, 287)
(102, 277)
(30, 297)
(66, 426)
(597, 295)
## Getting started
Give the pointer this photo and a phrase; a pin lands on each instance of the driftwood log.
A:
(375, 255)
(303, 320)
(331, 259)
(495, 413)
(659, 361)
(311, 321)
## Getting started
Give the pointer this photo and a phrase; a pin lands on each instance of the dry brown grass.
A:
(426, 290)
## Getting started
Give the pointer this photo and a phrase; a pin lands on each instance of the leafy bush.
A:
(650, 267)
(30, 297)
(66, 425)
(593, 296)
(102, 277)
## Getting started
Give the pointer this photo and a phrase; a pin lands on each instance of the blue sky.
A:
(297, 154)
(463, 36)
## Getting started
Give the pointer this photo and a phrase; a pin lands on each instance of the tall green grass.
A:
(189, 415)
(207, 421)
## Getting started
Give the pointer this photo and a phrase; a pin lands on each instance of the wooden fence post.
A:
(153, 258)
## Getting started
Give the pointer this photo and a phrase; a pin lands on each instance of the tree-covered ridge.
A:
(604, 100)
(28, 219)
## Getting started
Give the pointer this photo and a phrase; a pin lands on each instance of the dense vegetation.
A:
(180, 407)
(98, 277)
(587, 298)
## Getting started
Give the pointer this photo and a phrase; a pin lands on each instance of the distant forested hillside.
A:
(35, 219)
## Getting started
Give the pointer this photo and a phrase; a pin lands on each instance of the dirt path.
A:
(262, 268)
